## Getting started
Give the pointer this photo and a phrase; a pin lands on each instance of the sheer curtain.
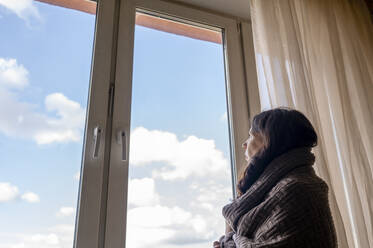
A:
(317, 56)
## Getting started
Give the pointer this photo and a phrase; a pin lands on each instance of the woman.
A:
(281, 201)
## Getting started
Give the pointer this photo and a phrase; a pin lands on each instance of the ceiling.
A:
(239, 8)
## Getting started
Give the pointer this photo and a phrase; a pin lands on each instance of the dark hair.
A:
(282, 129)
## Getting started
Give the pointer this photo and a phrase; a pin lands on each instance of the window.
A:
(45, 61)
(144, 138)
(169, 105)
(179, 161)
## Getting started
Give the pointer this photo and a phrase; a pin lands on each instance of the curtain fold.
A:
(317, 56)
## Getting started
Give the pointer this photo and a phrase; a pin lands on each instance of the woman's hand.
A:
(216, 244)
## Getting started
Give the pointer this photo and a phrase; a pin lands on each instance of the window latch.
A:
(121, 140)
(97, 140)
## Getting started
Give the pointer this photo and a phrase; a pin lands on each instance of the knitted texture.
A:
(286, 207)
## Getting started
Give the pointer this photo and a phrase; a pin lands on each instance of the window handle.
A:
(121, 140)
(97, 140)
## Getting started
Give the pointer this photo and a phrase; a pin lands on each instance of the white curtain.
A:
(317, 56)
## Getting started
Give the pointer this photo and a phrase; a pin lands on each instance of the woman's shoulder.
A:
(302, 180)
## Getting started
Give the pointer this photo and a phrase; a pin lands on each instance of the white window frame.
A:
(91, 210)
(238, 111)
(102, 204)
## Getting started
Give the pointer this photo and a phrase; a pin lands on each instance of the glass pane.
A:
(45, 60)
(180, 172)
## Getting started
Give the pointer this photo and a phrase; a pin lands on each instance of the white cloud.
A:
(207, 197)
(192, 156)
(224, 117)
(8, 192)
(24, 9)
(209, 192)
(63, 229)
(206, 175)
(77, 175)
(63, 122)
(36, 240)
(59, 236)
(135, 236)
(172, 226)
(30, 197)
(65, 234)
(66, 211)
(142, 192)
(157, 216)
(13, 75)
(164, 225)
(47, 239)
(71, 116)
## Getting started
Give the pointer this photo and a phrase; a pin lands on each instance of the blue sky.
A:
(178, 85)
(179, 127)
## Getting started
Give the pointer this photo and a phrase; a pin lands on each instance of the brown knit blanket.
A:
(286, 207)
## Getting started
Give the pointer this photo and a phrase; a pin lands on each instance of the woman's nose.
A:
(244, 145)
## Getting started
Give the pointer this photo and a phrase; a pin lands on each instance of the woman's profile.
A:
(281, 202)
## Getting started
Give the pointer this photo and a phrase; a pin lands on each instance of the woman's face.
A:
(252, 145)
